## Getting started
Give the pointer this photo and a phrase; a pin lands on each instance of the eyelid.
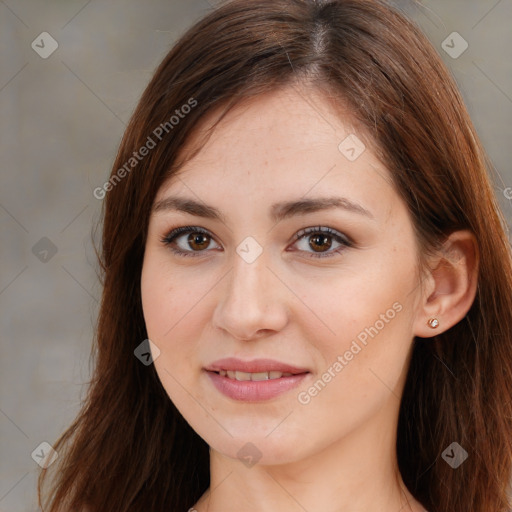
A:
(323, 229)
(345, 241)
(175, 233)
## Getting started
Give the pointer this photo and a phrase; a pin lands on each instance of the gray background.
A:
(61, 120)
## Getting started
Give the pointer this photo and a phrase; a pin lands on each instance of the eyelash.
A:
(343, 240)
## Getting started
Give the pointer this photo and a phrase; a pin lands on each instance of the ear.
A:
(450, 286)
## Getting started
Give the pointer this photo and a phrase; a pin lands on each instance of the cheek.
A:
(169, 327)
(364, 367)
(171, 308)
(154, 301)
(362, 331)
(346, 304)
(165, 301)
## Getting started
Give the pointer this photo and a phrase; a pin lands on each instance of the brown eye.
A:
(321, 241)
(197, 241)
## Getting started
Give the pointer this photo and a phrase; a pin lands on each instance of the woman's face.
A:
(340, 306)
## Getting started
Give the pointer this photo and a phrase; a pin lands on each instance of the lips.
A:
(256, 380)
(233, 364)
(245, 376)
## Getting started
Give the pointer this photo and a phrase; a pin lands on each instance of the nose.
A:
(252, 301)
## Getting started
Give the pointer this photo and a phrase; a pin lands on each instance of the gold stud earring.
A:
(433, 322)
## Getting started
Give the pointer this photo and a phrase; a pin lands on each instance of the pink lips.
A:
(254, 366)
(254, 391)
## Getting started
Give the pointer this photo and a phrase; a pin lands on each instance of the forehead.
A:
(282, 145)
(286, 121)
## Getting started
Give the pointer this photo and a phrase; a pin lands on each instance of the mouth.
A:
(261, 369)
(257, 376)
(253, 381)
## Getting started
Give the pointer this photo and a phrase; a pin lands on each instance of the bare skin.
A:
(334, 450)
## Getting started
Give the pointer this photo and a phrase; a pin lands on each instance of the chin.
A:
(259, 449)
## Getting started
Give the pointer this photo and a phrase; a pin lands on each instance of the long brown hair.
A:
(129, 449)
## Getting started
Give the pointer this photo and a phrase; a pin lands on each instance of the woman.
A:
(307, 282)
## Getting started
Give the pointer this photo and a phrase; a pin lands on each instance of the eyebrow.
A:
(278, 211)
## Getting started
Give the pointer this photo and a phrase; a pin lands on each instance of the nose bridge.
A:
(249, 301)
(248, 280)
